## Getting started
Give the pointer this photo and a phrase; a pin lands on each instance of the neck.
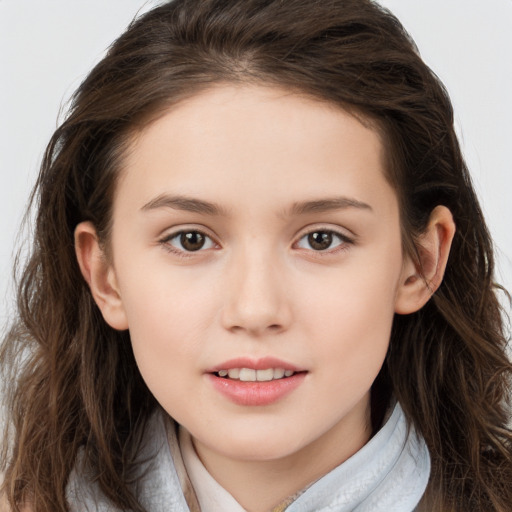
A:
(260, 485)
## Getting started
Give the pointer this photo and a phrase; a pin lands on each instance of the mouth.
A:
(250, 382)
(252, 375)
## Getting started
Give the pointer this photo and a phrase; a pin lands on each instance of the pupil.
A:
(320, 240)
(192, 241)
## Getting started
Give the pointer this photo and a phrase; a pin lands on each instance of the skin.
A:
(258, 287)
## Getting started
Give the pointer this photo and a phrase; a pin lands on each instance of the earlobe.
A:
(419, 280)
(99, 274)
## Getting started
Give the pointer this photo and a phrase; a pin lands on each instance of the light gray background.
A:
(47, 47)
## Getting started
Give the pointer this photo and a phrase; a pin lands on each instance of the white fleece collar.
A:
(390, 473)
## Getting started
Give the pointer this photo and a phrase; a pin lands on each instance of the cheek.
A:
(353, 336)
(351, 319)
(167, 344)
(354, 299)
(167, 317)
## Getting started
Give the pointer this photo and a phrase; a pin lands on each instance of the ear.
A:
(99, 274)
(419, 280)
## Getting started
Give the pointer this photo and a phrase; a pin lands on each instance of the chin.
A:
(257, 447)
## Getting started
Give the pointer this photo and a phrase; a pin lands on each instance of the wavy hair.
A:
(72, 382)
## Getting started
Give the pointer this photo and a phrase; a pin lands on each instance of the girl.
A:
(261, 279)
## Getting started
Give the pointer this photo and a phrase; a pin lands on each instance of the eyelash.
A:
(183, 253)
(344, 242)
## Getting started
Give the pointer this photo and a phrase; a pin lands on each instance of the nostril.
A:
(273, 328)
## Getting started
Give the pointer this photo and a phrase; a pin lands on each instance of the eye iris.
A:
(320, 240)
(192, 241)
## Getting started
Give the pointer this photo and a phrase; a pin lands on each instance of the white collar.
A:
(389, 473)
(212, 497)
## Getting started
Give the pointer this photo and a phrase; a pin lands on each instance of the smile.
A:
(255, 382)
(252, 375)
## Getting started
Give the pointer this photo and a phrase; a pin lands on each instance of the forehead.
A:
(254, 141)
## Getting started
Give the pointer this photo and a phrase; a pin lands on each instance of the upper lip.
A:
(255, 364)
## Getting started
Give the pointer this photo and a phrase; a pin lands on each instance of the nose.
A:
(256, 299)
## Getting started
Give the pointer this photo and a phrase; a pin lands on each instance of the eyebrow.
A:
(185, 203)
(189, 204)
(326, 205)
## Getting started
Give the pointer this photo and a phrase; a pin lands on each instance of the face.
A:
(257, 262)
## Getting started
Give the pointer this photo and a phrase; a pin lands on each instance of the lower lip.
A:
(256, 393)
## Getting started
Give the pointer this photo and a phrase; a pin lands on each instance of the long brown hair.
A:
(73, 385)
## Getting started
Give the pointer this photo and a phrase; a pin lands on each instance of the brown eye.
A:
(320, 240)
(192, 241)
(188, 241)
(323, 240)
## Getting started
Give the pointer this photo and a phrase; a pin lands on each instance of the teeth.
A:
(278, 373)
(251, 375)
(264, 375)
(234, 373)
(246, 375)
